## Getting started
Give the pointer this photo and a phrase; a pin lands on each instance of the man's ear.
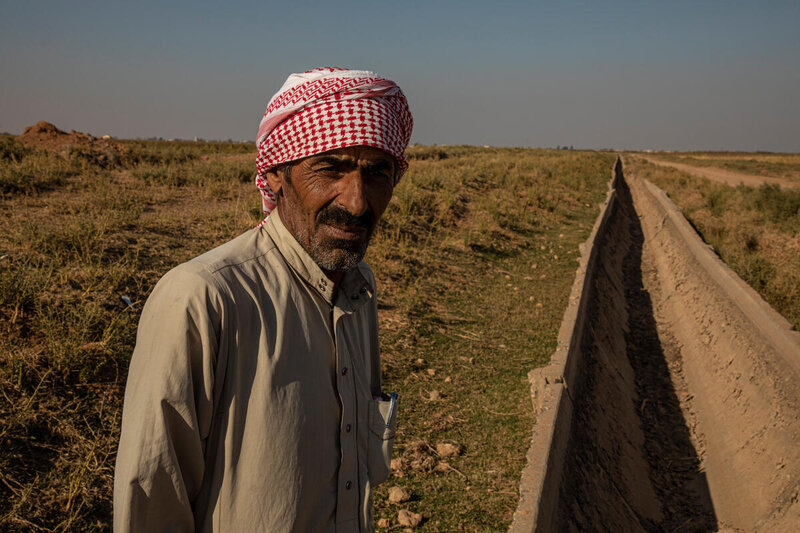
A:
(275, 179)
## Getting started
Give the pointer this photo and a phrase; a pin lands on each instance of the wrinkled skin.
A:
(331, 203)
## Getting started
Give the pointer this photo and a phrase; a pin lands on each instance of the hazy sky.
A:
(668, 75)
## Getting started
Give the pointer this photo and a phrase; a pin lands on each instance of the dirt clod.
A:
(398, 495)
(408, 518)
(447, 449)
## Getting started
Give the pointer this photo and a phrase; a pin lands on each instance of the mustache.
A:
(342, 217)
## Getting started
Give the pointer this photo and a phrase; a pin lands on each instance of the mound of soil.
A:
(47, 136)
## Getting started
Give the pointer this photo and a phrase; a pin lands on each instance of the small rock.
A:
(398, 495)
(435, 396)
(383, 523)
(409, 519)
(421, 362)
(431, 371)
(447, 449)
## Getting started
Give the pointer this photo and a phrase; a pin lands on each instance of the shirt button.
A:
(348, 485)
(347, 428)
(344, 370)
(363, 290)
(354, 296)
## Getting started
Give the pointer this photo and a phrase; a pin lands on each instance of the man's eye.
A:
(328, 170)
(380, 173)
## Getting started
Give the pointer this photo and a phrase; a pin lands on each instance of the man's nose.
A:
(352, 195)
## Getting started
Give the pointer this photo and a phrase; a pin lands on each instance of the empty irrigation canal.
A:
(672, 402)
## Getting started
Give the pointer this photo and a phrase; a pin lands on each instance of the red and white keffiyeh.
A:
(328, 108)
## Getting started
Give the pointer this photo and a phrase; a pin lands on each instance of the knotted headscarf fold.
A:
(328, 108)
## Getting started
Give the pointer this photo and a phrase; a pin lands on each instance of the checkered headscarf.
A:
(328, 108)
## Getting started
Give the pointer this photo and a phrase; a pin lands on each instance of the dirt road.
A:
(673, 403)
(724, 176)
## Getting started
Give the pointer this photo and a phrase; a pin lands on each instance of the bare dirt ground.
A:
(683, 411)
(47, 136)
(723, 176)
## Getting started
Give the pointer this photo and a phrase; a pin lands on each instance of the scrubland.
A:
(474, 259)
(774, 165)
(756, 231)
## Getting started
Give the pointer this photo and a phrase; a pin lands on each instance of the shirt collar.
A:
(353, 287)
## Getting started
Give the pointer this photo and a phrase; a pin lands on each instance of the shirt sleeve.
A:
(168, 404)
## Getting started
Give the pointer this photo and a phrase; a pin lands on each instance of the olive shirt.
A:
(253, 401)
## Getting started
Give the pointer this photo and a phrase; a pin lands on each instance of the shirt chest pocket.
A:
(382, 425)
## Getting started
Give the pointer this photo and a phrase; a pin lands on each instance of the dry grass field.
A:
(772, 165)
(756, 231)
(474, 259)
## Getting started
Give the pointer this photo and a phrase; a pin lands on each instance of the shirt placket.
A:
(348, 490)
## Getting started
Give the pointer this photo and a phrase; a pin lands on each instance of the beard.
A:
(337, 255)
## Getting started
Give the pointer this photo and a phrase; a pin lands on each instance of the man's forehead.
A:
(353, 154)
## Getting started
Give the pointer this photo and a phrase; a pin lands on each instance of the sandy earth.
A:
(683, 413)
(724, 176)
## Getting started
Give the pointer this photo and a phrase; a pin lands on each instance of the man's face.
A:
(332, 201)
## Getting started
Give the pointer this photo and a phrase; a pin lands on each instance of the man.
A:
(254, 400)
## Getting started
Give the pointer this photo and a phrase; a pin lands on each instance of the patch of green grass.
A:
(170, 152)
(11, 149)
(195, 172)
(781, 207)
(30, 172)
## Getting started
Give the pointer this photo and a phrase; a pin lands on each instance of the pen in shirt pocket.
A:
(392, 403)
